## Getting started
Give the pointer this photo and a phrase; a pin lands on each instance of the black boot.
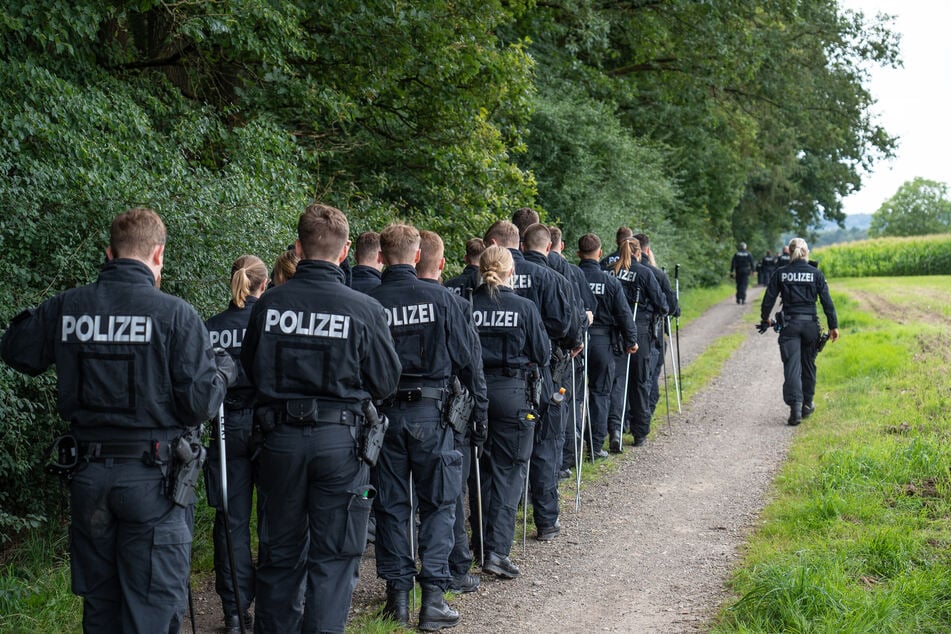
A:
(397, 606)
(808, 409)
(795, 414)
(434, 612)
(616, 442)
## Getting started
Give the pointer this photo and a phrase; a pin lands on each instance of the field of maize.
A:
(887, 257)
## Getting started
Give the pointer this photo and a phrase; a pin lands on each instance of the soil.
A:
(657, 533)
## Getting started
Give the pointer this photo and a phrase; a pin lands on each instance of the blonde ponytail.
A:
(247, 274)
(495, 266)
(629, 249)
(798, 250)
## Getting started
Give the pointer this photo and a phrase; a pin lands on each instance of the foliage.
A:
(856, 537)
(919, 207)
(928, 255)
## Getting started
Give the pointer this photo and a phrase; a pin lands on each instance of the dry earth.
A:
(655, 539)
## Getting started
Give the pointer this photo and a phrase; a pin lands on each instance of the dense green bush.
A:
(886, 257)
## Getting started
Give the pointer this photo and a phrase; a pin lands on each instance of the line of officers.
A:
(324, 353)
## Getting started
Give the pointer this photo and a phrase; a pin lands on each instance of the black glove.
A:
(226, 366)
(478, 434)
(763, 326)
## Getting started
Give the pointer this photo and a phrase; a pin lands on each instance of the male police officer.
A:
(434, 341)
(541, 285)
(612, 321)
(467, 281)
(428, 269)
(365, 276)
(136, 376)
(741, 266)
(317, 352)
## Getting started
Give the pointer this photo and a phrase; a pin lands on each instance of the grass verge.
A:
(856, 538)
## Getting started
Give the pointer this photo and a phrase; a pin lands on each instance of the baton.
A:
(224, 511)
(677, 325)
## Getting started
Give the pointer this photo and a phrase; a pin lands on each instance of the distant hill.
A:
(852, 221)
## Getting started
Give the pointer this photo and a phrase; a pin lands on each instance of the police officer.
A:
(433, 341)
(766, 267)
(640, 287)
(659, 326)
(136, 376)
(741, 266)
(226, 330)
(514, 348)
(799, 284)
(467, 281)
(365, 275)
(428, 269)
(541, 285)
(612, 321)
(316, 352)
(285, 265)
(622, 234)
(783, 258)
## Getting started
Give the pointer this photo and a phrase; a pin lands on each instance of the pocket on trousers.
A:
(213, 484)
(358, 517)
(447, 478)
(170, 564)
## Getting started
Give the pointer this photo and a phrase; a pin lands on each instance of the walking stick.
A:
(412, 542)
(528, 470)
(627, 375)
(677, 324)
(666, 393)
(674, 367)
(478, 476)
(224, 511)
(585, 413)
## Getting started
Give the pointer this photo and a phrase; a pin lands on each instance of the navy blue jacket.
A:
(613, 311)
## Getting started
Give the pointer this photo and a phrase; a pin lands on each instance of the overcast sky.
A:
(914, 101)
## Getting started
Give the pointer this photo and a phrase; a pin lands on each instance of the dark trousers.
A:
(419, 446)
(314, 501)
(601, 373)
(507, 454)
(797, 348)
(658, 352)
(546, 462)
(241, 477)
(639, 383)
(742, 282)
(622, 369)
(460, 557)
(130, 548)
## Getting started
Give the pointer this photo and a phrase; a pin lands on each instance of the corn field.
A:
(885, 257)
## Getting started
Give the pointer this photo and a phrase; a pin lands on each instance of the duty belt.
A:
(413, 394)
(801, 317)
(142, 450)
(311, 414)
(601, 330)
(515, 373)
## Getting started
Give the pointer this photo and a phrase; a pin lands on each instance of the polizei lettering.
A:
(521, 281)
(298, 322)
(626, 274)
(410, 315)
(495, 318)
(227, 338)
(797, 277)
(107, 328)
(596, 287)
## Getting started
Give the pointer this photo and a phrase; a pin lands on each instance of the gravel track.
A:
(656, 536)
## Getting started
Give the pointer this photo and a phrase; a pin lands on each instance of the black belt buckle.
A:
(410, 396)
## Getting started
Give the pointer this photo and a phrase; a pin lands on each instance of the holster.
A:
(458, 407)
(822, 341)
(371, 434)
(779, 321)
(560, 362)
(186, 458)
(64, 457)
(535, 384)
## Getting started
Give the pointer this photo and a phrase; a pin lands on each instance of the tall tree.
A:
(919, 207)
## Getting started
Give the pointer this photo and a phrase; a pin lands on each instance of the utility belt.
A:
(511, 373)
(415, 394)
(601, 330)
(180, 460)
(800, 317)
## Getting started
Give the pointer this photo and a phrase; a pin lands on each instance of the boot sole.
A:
(498, 572)
(435, 626)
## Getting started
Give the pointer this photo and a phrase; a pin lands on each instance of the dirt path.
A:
(654, 542)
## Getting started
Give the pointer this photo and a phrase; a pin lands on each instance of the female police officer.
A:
(513, 341)
(799, 284)
(226, 329)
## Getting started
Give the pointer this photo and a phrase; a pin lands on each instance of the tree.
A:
(919, 207)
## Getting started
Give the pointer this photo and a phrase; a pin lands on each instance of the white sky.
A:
(914, 101)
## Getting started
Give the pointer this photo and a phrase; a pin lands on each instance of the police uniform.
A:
(315, 351)
(607, 262)
(460, 557)
(466, 282)
(799, 284)
(226, 331)
(434, 342)
(659, 327)
(544, 286)
(743, 264)
(364, 278)
(612, 322)
(135, 370)
(513, 341)
(638, 282)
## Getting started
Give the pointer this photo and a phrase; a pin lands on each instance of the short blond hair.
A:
(504, 233)
(399, 243)
(135, 233)
(431, 252)
(323, 231)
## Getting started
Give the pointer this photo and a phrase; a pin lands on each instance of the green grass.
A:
(856, 538)
(914, 255)
(695, 301)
